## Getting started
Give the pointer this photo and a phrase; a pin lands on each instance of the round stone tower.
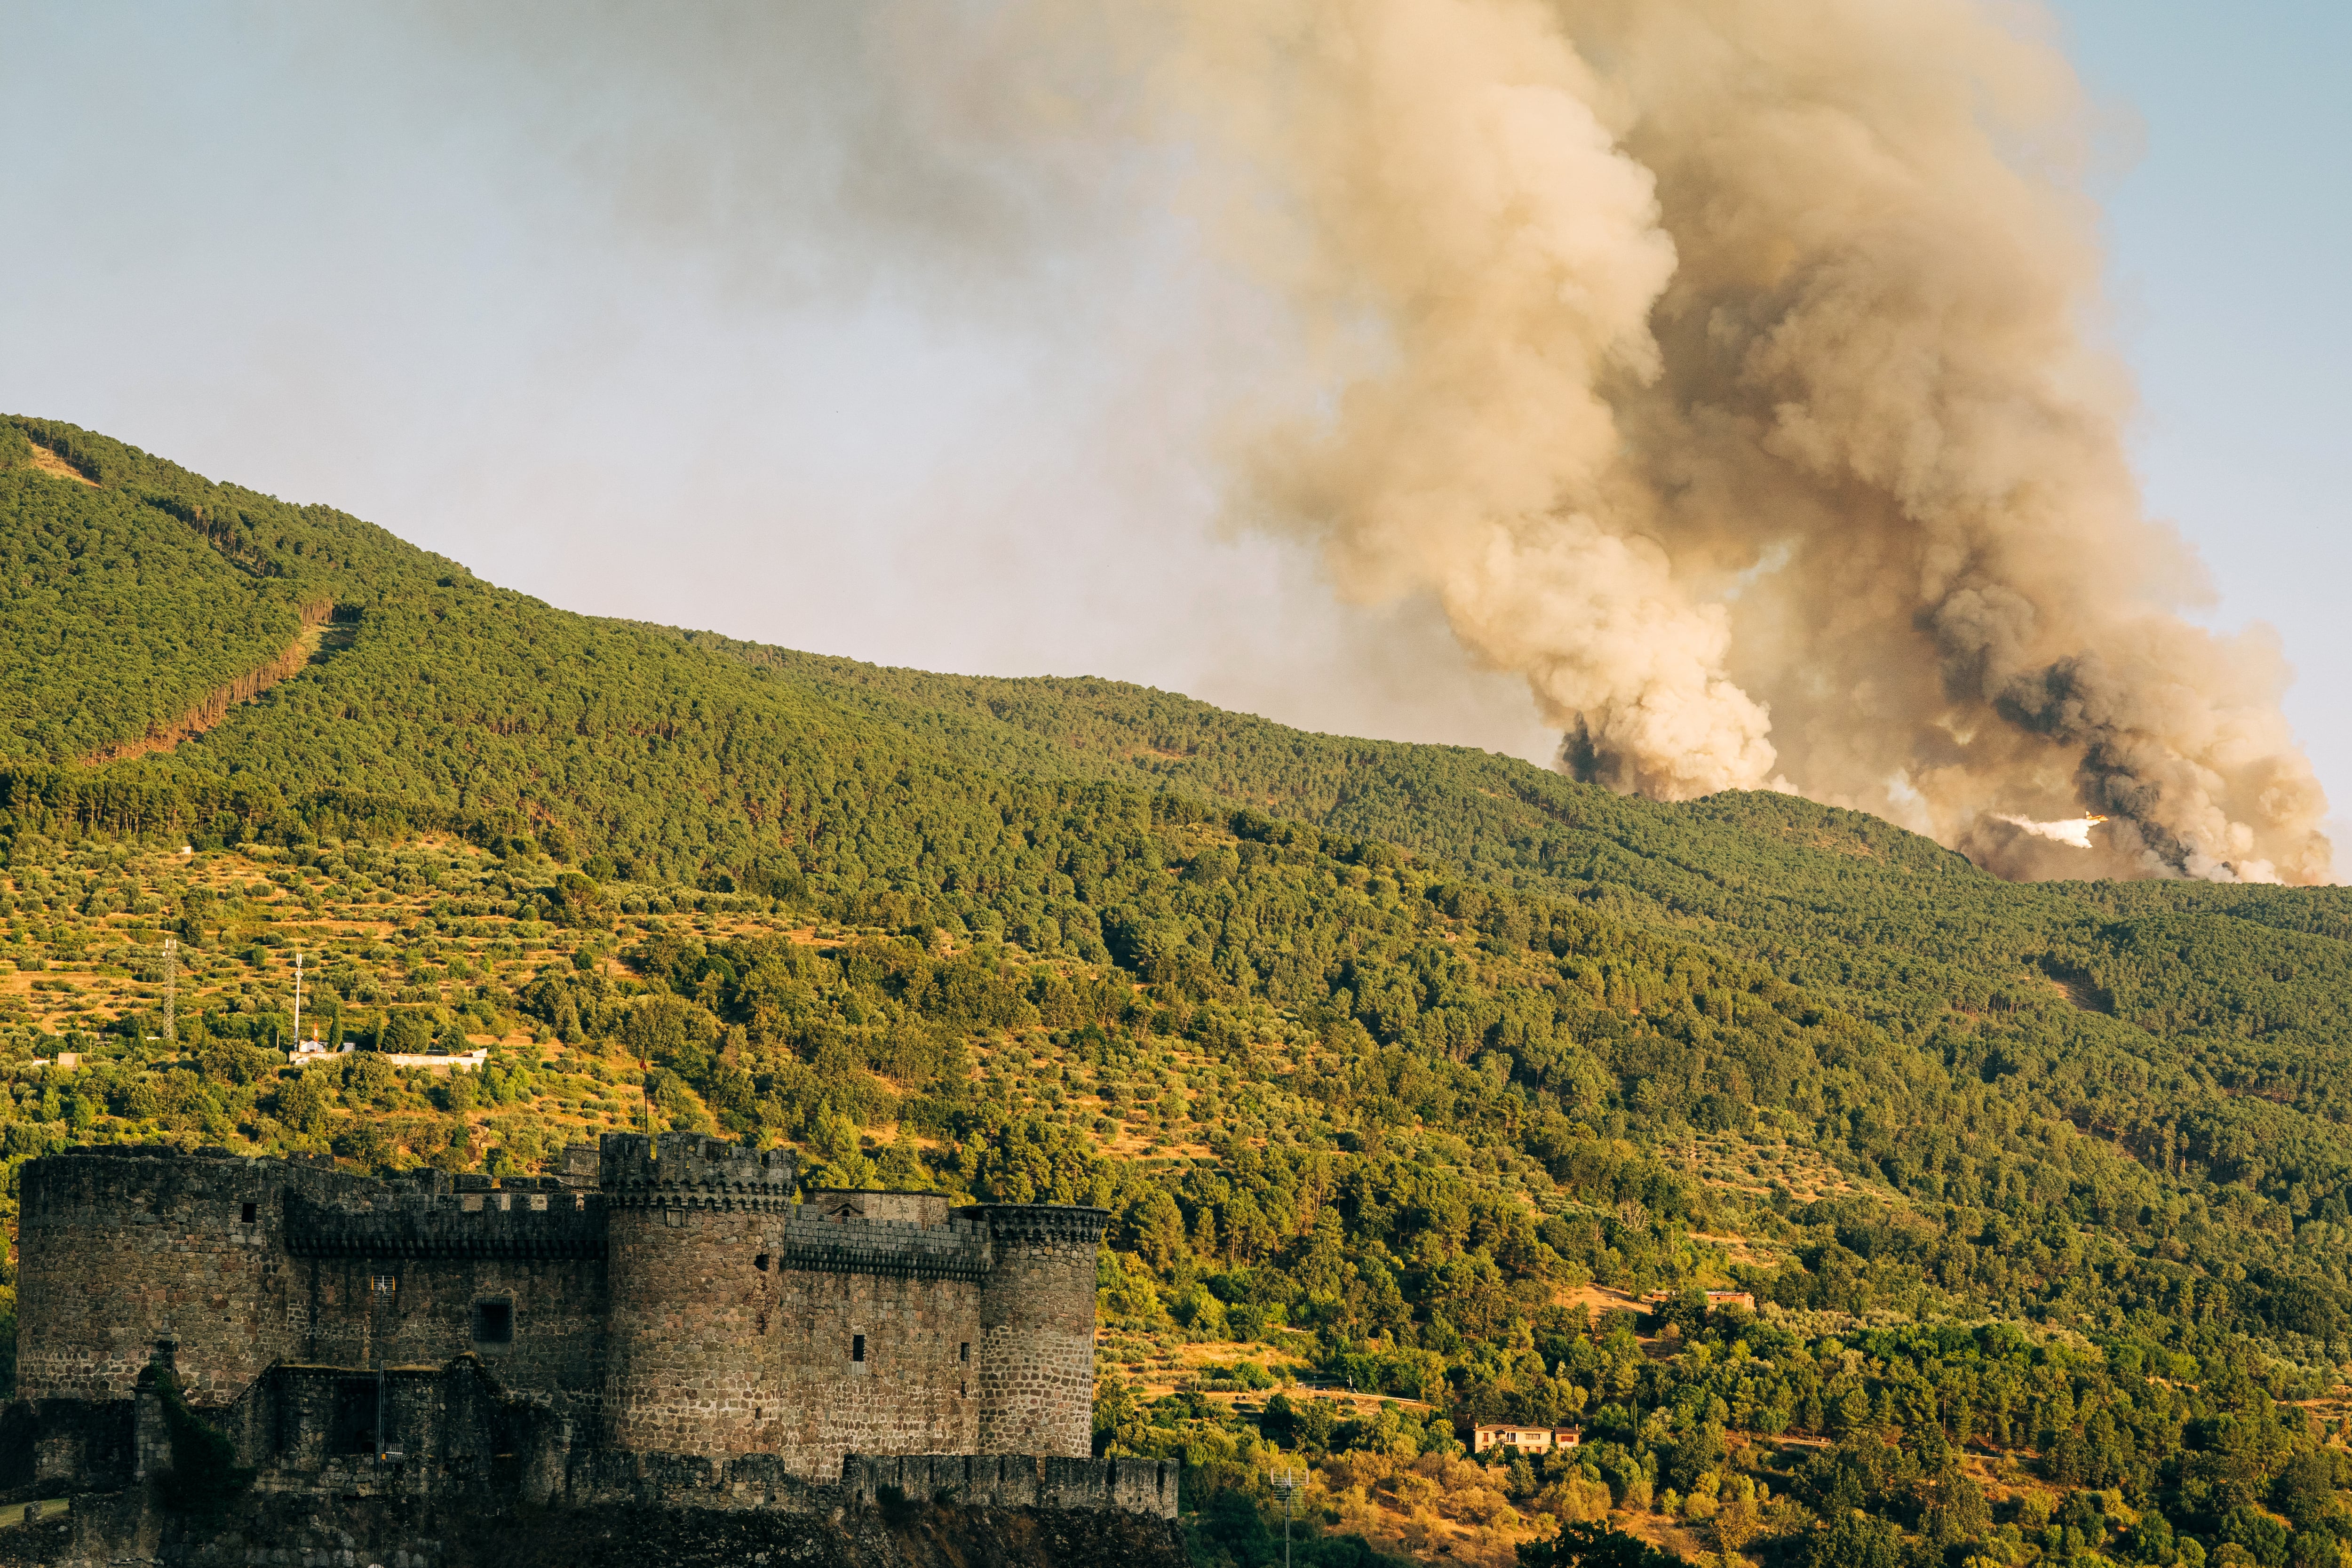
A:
(1037, 1329)
(122, 1246)
(691, 1221)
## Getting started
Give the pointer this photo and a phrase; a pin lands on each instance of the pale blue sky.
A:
(2230, 250)
(361, 257)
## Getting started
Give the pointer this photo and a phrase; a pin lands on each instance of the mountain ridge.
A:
(1442, 1034)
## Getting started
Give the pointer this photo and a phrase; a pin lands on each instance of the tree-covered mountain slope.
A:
(1770, 874)
(2169, 1014)
(1385, 1056)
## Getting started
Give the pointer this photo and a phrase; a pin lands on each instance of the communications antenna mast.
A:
(297, 995)
(171, 990)
(1286, 1484)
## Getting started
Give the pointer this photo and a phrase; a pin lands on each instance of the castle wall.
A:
(689, 1317)
(1019, 1480)
(418, 1272)
(453, 1432)
(119, 1248)
(315, 1427)
(903, 1208)
(915, 1393)
(426, 1311)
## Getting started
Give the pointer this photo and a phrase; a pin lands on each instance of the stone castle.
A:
(665, 1313)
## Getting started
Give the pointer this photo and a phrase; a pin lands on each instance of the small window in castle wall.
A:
(858, 1352)
(385, 1284)
(963, 1351)
(760, 1263)
(493, 1322)
(248, 1213)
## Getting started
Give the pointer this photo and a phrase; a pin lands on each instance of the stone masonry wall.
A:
(915, 1393)
(760, 1482)
(743, 1322)
(122, 1247)
(426, 1311)
(116, 1252)
(736, 1331)
(1037, 1330)
(312, 1429)
(690, 1310)
(694, 1225)
(1018, 1481)
(840, 1524)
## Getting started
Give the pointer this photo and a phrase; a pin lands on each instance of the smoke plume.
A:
(1726, 368)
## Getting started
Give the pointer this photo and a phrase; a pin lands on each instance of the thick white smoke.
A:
(1732, 383)
(1457, 187)
(1727, 369)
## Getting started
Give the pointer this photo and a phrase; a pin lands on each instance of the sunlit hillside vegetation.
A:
(1407, 1072)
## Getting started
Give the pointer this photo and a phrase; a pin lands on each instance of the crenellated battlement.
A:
(1067, 1225)
(631, 1163)
(515, 1224)
(821, 1237)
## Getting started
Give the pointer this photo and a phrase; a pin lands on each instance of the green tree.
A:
(1854, 1540)
(1597, 1546)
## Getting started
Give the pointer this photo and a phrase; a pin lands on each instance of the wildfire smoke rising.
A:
(1730, 382)
(1725, 369)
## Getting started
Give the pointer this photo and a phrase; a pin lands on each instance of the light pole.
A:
(1286, 1483)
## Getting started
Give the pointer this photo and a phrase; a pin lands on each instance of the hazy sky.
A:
(634, 334)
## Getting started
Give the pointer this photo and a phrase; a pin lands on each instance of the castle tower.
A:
(692, 1222)
(1037, 1329)
(122, 1248)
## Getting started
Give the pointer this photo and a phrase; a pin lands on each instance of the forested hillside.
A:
(1406, 1070)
